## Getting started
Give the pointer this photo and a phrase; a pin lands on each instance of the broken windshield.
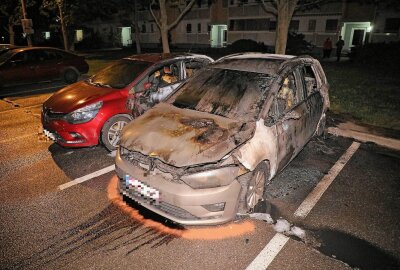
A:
(120, 74)
(230, 93)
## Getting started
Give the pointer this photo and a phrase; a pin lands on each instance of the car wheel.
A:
(111, 131)
(70, 76)
(256, 186)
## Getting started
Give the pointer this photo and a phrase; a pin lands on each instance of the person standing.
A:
(327, 48)
(339, 47)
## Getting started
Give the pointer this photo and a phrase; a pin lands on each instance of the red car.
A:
(94, 111)
(36, 64)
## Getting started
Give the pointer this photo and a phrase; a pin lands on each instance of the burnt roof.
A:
(157, 57)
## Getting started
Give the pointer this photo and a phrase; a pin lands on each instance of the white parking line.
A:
(272, 249)
(312, 198)
(267, 255)
(86, 177)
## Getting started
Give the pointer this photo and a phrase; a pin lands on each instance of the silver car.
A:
(208, 151)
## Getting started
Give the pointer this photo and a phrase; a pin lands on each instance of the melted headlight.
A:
(211, 178)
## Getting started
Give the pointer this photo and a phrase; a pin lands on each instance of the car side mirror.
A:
(147, 85)
(292, 115)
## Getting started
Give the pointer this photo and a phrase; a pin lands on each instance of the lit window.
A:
(79, 35)
(46, 35)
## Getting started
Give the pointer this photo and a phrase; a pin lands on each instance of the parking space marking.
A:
(267, 255)
(276, 244)
(86, 177)
(304, 209)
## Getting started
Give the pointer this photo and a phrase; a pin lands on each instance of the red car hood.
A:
(75, 96)
(183, 137)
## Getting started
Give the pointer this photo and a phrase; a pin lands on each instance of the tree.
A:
(283, 10)
(63, 10)
(162, 19)
(12, 10)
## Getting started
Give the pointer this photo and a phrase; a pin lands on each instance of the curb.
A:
(365, 137)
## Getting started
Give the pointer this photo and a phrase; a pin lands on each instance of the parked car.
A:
(36, 64)
(6, 47)
(209, 150)
(94, 110)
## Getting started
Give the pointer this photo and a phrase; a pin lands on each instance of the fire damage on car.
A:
(209, 151)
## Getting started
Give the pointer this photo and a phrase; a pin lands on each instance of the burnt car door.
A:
(314, 100)
(290, 110)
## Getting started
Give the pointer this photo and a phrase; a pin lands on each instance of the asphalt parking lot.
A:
(50, 224)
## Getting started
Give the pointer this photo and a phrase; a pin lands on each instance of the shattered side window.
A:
(229, 93)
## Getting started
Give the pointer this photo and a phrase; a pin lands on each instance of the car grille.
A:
(165, 207)
(152, 164)
(49, 115)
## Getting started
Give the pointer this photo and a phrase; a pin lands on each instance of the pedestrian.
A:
(327, 49)
(339, 47)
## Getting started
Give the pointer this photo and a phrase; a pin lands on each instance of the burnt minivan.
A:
(208, 151)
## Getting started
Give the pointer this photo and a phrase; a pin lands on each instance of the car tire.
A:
(70, 76)
(111, 131)
(256, 186)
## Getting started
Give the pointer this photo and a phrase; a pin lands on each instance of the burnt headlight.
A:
(212, 178)
(84, 114)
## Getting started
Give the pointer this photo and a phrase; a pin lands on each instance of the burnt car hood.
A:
(183, 137)
(75, 96)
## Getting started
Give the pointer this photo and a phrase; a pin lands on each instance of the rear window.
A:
(229, 93)
(120, 74)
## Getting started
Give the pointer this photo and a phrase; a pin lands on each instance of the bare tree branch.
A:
(309, 4)
(187, 8)
(269, 8)
(154, 16)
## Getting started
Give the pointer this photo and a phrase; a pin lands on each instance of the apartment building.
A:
(218, 23)
(221, 22)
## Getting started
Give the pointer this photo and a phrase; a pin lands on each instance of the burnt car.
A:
(36, 64)
(94, 111)
(208, 151)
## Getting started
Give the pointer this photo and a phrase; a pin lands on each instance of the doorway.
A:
(126, 36)
(218, 35)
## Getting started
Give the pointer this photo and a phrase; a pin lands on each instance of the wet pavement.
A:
(353, 225)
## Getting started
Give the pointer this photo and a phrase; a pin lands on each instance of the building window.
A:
(152, 28)
(392, 25)
(294, 25)
(199, 28)
(232, 2)
(78, 35)
(272, 26)
(189, 28)
(46, 35)
(249, 25)
(312, 25)
(143, 28)
(208, 28)
(224, 3)
(331, 25)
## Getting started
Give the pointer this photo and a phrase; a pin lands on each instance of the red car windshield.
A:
(120, 74)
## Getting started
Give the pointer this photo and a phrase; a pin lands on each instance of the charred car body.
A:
(208, 152)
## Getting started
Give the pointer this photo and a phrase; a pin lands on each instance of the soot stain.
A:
(91, 236)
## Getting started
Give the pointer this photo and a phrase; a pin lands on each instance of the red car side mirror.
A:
(147, 85)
